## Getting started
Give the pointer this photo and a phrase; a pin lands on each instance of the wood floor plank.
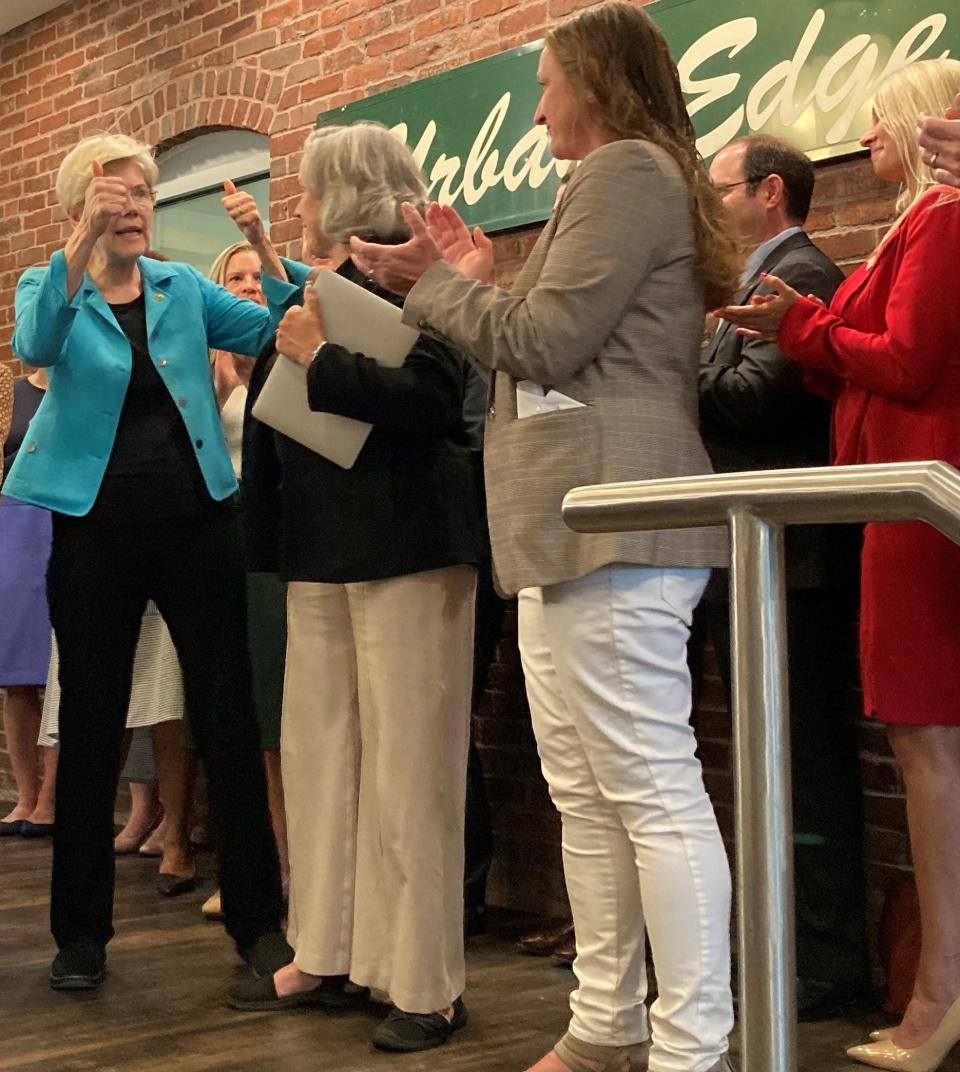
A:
(162, 1010)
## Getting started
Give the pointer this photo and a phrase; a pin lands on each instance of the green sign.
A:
(803, 70)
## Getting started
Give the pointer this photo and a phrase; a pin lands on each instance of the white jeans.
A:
(605, 661)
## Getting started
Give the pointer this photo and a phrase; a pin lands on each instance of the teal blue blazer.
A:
(88, 360)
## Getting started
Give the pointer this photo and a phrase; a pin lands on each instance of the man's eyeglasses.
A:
(726, 187)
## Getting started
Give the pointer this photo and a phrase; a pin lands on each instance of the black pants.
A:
(831, 928)
(478, 828)
(100, 577)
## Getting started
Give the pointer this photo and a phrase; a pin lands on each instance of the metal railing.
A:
(756, 506)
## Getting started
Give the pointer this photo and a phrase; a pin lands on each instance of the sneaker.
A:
(78, 966)
(405, 1032)
(269, 953)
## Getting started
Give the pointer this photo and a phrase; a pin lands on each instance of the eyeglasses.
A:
(726, 187)
(141, 195)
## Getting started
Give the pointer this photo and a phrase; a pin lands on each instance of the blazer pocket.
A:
(531, 463)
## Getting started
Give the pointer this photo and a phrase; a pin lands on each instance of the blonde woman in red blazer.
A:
(888, 350)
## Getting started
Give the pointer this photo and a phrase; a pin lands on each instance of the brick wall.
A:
(167, 69)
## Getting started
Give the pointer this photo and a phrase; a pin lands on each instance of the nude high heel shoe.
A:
(927, 1057)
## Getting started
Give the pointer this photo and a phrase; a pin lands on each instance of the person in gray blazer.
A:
(756, 414)
(594, 358)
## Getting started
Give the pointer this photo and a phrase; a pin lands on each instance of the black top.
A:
(153, 472)
(412, 500)
(26, 402)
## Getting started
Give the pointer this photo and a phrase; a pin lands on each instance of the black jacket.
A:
(412, 500)
(754, 411)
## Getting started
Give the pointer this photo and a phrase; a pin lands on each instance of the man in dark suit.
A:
(755, 414)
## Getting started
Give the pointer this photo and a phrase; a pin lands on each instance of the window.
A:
(190, 224)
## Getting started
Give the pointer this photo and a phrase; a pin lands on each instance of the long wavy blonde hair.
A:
(617, 56)
(923, 87)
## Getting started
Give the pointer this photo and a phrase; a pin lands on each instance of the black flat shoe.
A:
(36, 830)
(407, 1032)
(268, 954)
(174, 885)
(11, 829)
(260, 995)
(79, 966)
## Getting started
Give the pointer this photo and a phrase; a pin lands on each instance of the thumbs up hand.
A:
(104, 202)
(242, 209)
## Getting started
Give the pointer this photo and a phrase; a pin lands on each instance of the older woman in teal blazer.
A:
(127, 452)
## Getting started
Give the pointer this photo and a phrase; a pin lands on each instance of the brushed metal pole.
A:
(764, 872)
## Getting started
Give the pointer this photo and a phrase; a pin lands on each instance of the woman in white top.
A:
(238, 269)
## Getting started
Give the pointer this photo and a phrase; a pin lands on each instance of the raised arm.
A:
(609, 228)
(241, 207)
(241, 326)
(44, 313)
(904, 361)
(764, 387)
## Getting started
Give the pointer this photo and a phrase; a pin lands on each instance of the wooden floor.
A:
(161, 1008)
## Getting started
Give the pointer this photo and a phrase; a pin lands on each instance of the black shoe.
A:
(405, 1032)
(333, 995)
(174, 885)
(14, 828)
(78, 966)
(268, 954)
(36, 830)
(474, 921)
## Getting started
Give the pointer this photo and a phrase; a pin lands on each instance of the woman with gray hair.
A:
(381, 560)
(127, 452)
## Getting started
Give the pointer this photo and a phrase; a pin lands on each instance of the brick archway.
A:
(240, 98)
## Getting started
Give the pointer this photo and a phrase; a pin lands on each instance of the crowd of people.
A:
(329, 623)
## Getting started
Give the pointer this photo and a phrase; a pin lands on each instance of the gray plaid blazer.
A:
(605, 310)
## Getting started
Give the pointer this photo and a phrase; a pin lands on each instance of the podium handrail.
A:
(895, 491)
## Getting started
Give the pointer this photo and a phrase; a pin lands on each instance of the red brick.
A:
(281, 58)
(279, 13)
(321, 87)
(234, 30)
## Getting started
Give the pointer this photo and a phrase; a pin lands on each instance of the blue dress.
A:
(24, 552)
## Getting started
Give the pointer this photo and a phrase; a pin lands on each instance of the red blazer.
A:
(888, 347)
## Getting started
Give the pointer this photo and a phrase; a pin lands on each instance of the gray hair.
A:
(75, 172)
(360, 175)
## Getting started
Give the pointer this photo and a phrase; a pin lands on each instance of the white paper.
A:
(360, 322)
(532, 399)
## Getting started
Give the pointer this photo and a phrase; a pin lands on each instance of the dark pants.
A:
(100, 577)
(478, 829)
(827, 796)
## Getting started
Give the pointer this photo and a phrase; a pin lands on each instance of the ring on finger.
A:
(933, 161)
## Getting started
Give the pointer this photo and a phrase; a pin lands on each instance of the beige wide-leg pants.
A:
(375, 727)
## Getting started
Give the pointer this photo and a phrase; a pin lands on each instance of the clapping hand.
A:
(105, 201)
(761, 319)
(301, 332)
(397, 268)
(470, 252)
(242, 209)
(940, 141)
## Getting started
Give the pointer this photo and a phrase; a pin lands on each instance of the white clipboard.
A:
(359, 322)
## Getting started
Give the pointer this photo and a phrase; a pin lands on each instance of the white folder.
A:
(359, 322)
